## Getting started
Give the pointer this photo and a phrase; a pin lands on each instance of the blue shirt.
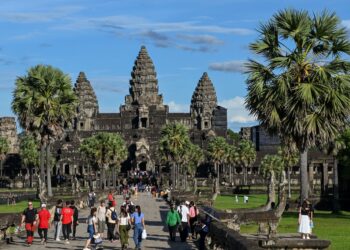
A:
(137, 218)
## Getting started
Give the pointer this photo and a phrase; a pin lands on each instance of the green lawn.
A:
(19, 207)
(335, 228)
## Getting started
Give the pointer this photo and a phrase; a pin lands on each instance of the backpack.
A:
(57, 215)
(114, 215)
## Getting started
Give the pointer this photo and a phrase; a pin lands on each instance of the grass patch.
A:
(327, 225)
(19, 207)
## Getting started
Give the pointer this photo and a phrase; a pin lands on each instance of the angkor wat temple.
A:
(140, 119)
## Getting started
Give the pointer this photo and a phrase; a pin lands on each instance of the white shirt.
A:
(124, 220)
(101, 213)
(184, 212)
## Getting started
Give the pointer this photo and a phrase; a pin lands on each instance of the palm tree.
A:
(247, 157)
(233, 160)
(28, 150)
(4, 148)
(302, 89)
(195, 156)
(218, 154)
(44, 102)
(271, 167)
(105, 149)
(172, 146)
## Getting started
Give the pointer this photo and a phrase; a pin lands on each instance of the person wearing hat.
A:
(185, 220)
(172, 220)
(43, 223)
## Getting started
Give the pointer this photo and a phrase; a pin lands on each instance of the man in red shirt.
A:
(43, 222)
(67, 219)
(29, 218)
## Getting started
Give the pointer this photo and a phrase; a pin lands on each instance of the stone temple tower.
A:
(88, 105)
(203, 103)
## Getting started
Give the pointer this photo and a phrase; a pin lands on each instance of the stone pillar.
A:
(311, 177)
(324, 181)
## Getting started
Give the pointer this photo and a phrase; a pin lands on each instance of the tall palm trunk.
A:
(289, 188)
(48, 170)
(217, 180)
(1, 166)
(271, 189)
(103, 177)
(114, 179)
(304, 180)
(172, 177)
(42, 165)
(336, 206)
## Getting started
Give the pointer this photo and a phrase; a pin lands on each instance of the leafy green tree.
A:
(235, 137)
(247, 157)
(44, 102)
(106, 150)
(4, 148)
(218, 154)
(271, 167)
(172, 146)
(28, 150)
(301, 90)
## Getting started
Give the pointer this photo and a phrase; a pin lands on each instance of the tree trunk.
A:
(230, 173)
(195, 185)
(172, 175)
(289, 188)
(271, 189)
(217, 180)
(103, 178)
(48, 171)
(245, 171)
(114, 179)
(1, 166)
(42, 165)
(336, 206)
(304, 180)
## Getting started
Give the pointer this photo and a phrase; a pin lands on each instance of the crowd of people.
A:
(104, 217)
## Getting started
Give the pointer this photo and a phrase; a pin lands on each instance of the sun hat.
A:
(187, 202)
(43, 205)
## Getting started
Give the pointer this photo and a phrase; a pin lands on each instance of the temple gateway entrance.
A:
(143, 165)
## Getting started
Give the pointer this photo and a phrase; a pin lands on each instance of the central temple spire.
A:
(143, 83)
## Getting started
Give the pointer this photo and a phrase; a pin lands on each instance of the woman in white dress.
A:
(305, 219)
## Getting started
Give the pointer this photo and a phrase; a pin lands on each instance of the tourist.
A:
(43, 223)
(91, 229)
(57, 220)
(67, 219)
(129, 205)
(203, 230)
(138, 219)
(305, 219)
(111, 198)
(172, 220)
(124, 226)
(29, 218)
(101, 218)
(91, 199)
(193, 218)
(185, 218)
(75, 218)
(112, 218)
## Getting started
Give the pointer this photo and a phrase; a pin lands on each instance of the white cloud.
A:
(236, 111)
(229, 66)
(178, 108)
(202, 39)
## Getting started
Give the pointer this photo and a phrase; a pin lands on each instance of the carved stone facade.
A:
(8, 130)
(139, 120)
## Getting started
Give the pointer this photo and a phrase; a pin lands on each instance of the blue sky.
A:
(103, 37)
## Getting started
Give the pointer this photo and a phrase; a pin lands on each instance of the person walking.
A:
(29, 219)
(193, 213)
(111, 199)
(138, 219)
(112, 218)
(172, 220)
(75, 218)
(124, 225)
(101, 218)
(185, 220)
(57, 220)
(43, 223)
(91, 199)
(92, 227)
(305, 219)
(67, 219)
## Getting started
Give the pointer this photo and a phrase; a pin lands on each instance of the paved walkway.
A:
(155, 213)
